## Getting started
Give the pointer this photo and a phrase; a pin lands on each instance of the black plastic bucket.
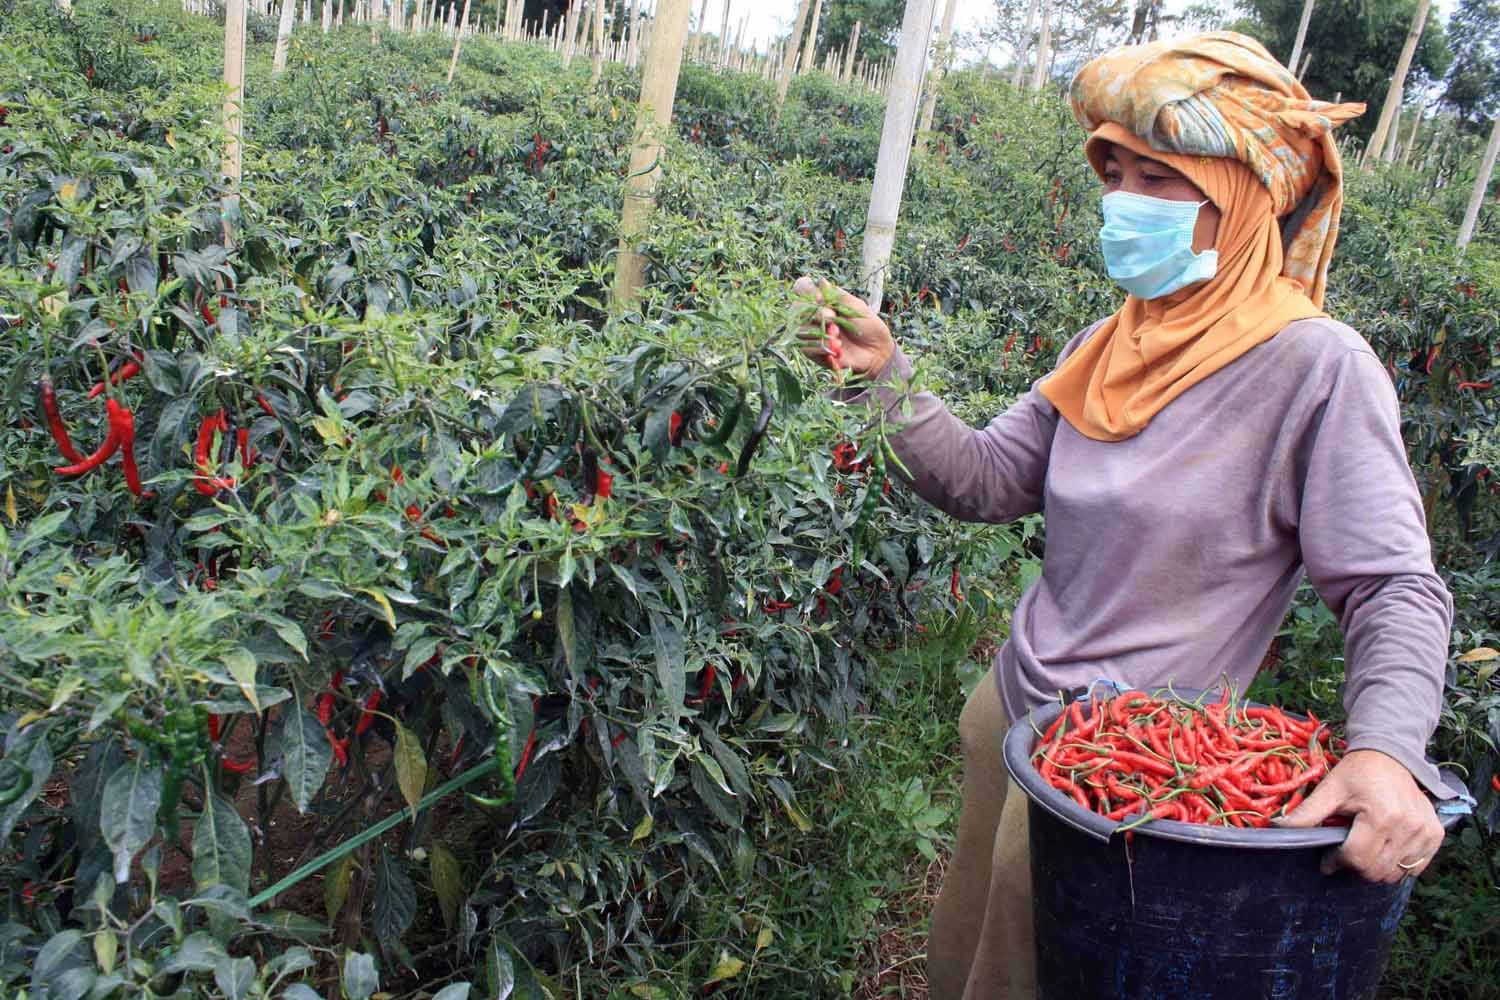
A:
(1192, 912)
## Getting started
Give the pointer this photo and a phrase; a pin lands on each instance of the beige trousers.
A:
(981, 946)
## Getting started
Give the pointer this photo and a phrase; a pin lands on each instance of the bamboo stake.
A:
(327, 18)
(895, 147)
(1411, 140)
(1392, 105)
(1023, 44)
(723, 55)
(1389, 153)
(1043, 45)
(458, 41)
(696, 38)
(1307, 9)
(633, 33)
(939, 66)
(810, 51)
(1481, 185)
(597, 71)
(570, 32)
(283, 36)
(234, 122)
(653, 124)
(789, 63)
(850, 51)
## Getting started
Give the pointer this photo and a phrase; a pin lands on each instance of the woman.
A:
(1195, 453)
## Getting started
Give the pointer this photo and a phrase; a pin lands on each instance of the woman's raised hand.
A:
(844, 333)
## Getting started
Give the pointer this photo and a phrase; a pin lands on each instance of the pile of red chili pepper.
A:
(1134, 757)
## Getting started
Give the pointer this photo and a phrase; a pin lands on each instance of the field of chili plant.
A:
(393, 511)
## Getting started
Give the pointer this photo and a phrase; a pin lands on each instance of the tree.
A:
(880, 28)
(1355, 45)
(1473, 82)
(1078, 31)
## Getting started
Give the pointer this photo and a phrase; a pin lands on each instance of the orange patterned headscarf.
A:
(1221, 111)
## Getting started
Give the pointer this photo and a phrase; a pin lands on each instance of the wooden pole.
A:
(458, 41)
(1411, 141)
(1018, 75)
(597, 72)
(939, 66)
(895, 147)
(1392, 105)
(810, 50)
(850, 51)
(1481, 186)
(1306, 58)
(653, 125)
(570, 32)
(1389, 153)
(633, 47)
(1291, 64)
(234, 99)
(1043, 45)
(793, 45)
(723, 54)
(283, 36)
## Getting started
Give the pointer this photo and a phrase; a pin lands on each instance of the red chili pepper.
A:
(265, 404)
(367, 715)
(106, 450)
(958, 594)
(124, 429)
(325, 708)
(242, 438)
(706, 688)
(129, 370)
(1479, 386)
(55, 424)
(206, 313)
(340, 748)
(526, 753)
(603, 484)
(1495, 782)
(206, 482)
(674, 429)
(214, 724)
(237, 766)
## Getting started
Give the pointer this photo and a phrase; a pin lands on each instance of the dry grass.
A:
(896, 961)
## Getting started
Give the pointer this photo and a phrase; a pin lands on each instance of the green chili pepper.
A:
(13, 792)
(867, 507)
(752, 443)
(730, 420)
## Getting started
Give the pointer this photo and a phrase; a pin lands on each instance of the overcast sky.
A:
(772, 18)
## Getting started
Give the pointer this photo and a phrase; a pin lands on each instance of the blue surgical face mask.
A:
(1148, 244)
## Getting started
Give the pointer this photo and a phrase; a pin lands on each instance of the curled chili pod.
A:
(108, 448)
(129, 370)
(757, 433)
(206, 482)
(47, 396)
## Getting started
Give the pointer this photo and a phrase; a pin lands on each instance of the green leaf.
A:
(28, 747)
(242, 667)
(453, 991)
(127, 813)
(411, 766)
(726, 968)
(670, 674)
(221, 847)
(500, 968)
(360, 980)
(305, 754)
(395, 901)
(447, 883)
(336, 887)
(566, 635)
(290, 632)
(234, 977)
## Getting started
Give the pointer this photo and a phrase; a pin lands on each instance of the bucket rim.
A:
(1021, 739)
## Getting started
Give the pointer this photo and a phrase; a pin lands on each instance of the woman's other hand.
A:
(1395, 831)
(844, 333)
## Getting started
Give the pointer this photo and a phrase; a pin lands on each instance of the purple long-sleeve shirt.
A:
(1173, 556)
